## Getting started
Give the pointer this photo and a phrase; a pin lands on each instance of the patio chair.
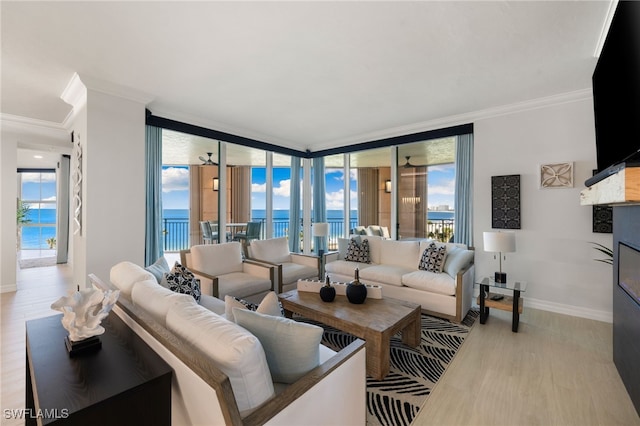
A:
(252, 232)
(222, 271)
(207, 234)
(290, 267)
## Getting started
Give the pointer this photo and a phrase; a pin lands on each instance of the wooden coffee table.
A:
(375, 321)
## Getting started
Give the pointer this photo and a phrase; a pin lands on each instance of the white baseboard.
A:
(575, 311)
(8, 288)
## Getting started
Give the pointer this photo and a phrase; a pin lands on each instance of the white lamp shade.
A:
(504, 242)
(320, 229)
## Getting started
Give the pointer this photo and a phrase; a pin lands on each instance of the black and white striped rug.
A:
(414, 372)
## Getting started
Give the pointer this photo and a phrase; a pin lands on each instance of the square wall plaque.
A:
(505, 202)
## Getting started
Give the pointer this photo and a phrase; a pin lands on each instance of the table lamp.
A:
(499, 242)
(320, 230)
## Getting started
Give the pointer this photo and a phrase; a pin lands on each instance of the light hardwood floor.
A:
(557, 370)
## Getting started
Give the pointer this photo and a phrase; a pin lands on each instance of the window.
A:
(37, 193)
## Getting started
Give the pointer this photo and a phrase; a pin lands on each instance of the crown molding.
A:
(75, 94)
(33, 126)
(455, 120)
(605, 28)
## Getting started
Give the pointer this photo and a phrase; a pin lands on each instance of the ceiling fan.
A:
(207, 161)
(408, 165)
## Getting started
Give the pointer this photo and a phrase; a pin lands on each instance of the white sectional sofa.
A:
(221, 371)
(394, 267)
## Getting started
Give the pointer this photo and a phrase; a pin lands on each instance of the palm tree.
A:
(22, 213)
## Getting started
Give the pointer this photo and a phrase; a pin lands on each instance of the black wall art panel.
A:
(505, 202)
(603, 219)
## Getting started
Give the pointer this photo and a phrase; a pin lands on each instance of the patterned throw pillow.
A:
(433, 258)
(358, 252)
(182, 280)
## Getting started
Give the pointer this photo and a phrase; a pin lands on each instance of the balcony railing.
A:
(176, 231)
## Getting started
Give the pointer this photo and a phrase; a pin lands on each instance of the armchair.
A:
(222, 271)
(290, 267)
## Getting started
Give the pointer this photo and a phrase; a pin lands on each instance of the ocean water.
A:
(41, 227)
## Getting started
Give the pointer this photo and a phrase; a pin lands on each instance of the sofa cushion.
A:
(292, 272)
(359, 230)
(156, 300)
(358, 251)
(212, 303)
(274, 250)
(182, 280)
(430, 281)
(384, 274)
(232, 349)
(375, 248)
(399, 253)
(291, 347)
(240, 284)
(457, 259)
(125, 274)
(345, 267)
(217, 259)
(159, 268)
(270, 305)
(343, 244)
(433, 258)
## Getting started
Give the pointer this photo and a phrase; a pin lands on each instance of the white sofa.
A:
(394, 267)
(220, 373)
(290, 267)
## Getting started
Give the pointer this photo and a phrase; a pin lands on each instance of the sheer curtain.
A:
(319, 201)
(294, 207)
(463, 215)
(153, 169)
(63, 179)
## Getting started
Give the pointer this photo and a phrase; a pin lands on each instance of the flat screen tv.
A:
(616, 88)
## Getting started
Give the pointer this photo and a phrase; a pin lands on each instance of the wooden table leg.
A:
(378, 356)
(411, 333)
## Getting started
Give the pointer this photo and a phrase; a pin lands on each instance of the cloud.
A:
(283, 189)
(39, 177)
(175, 179)
(444, 187)
(335, 200)
(258, 187)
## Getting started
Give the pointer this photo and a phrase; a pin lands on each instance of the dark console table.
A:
(125, 382)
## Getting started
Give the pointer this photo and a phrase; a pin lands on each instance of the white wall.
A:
(112, 134)
(8, 197)
(554, 254)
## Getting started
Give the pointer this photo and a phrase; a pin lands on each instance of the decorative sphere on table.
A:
(327, 291)
(356, 291)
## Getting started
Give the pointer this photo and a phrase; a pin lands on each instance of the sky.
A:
(175, 187)
(39, 186)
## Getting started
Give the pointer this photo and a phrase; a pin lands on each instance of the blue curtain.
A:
(319, 201)
(153, 169)
(294, 210)
(463, 206)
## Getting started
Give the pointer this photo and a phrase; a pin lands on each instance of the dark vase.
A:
(327, 291)
(356, 291)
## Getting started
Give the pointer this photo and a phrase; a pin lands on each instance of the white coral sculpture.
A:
(84, 310)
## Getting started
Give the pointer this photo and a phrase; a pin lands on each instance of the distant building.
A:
(440, 208)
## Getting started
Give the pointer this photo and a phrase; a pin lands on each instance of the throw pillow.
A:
(270, 305)
(433, 258)
(358, 252)
(182, 280)
(159, 268)
(292, 348)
